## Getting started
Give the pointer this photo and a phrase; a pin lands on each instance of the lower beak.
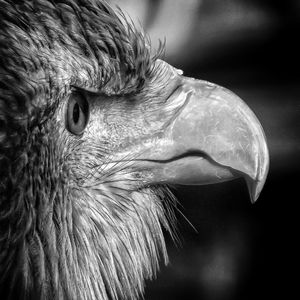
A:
(212, 137)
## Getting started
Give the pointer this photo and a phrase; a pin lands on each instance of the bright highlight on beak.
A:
(213, 137)
(219, 124)
(202, 134)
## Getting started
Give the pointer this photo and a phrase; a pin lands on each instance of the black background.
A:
(241, 250)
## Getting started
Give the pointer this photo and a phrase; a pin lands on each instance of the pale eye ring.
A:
(77, 113)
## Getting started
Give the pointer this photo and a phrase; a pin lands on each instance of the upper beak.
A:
(212, 136)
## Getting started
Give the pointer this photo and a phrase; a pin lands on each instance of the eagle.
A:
(94, 128)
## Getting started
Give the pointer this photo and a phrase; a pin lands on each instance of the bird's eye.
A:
(77, 113)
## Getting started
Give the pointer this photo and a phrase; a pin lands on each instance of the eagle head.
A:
(93, 128)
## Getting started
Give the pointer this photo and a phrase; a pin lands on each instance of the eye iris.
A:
(76, 113)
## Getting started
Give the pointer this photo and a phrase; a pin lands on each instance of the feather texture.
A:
(71, 227)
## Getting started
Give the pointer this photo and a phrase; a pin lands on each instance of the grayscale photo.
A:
(149, 149)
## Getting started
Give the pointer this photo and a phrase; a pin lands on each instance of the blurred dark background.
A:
(240, 250)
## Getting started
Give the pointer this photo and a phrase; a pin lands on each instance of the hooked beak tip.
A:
(256, 185)
(254, 188)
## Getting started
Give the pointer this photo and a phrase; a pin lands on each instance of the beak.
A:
(213, 136)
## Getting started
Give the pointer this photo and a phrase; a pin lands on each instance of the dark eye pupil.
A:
(76, 113)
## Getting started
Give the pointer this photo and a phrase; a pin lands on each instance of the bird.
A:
(94, 128)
